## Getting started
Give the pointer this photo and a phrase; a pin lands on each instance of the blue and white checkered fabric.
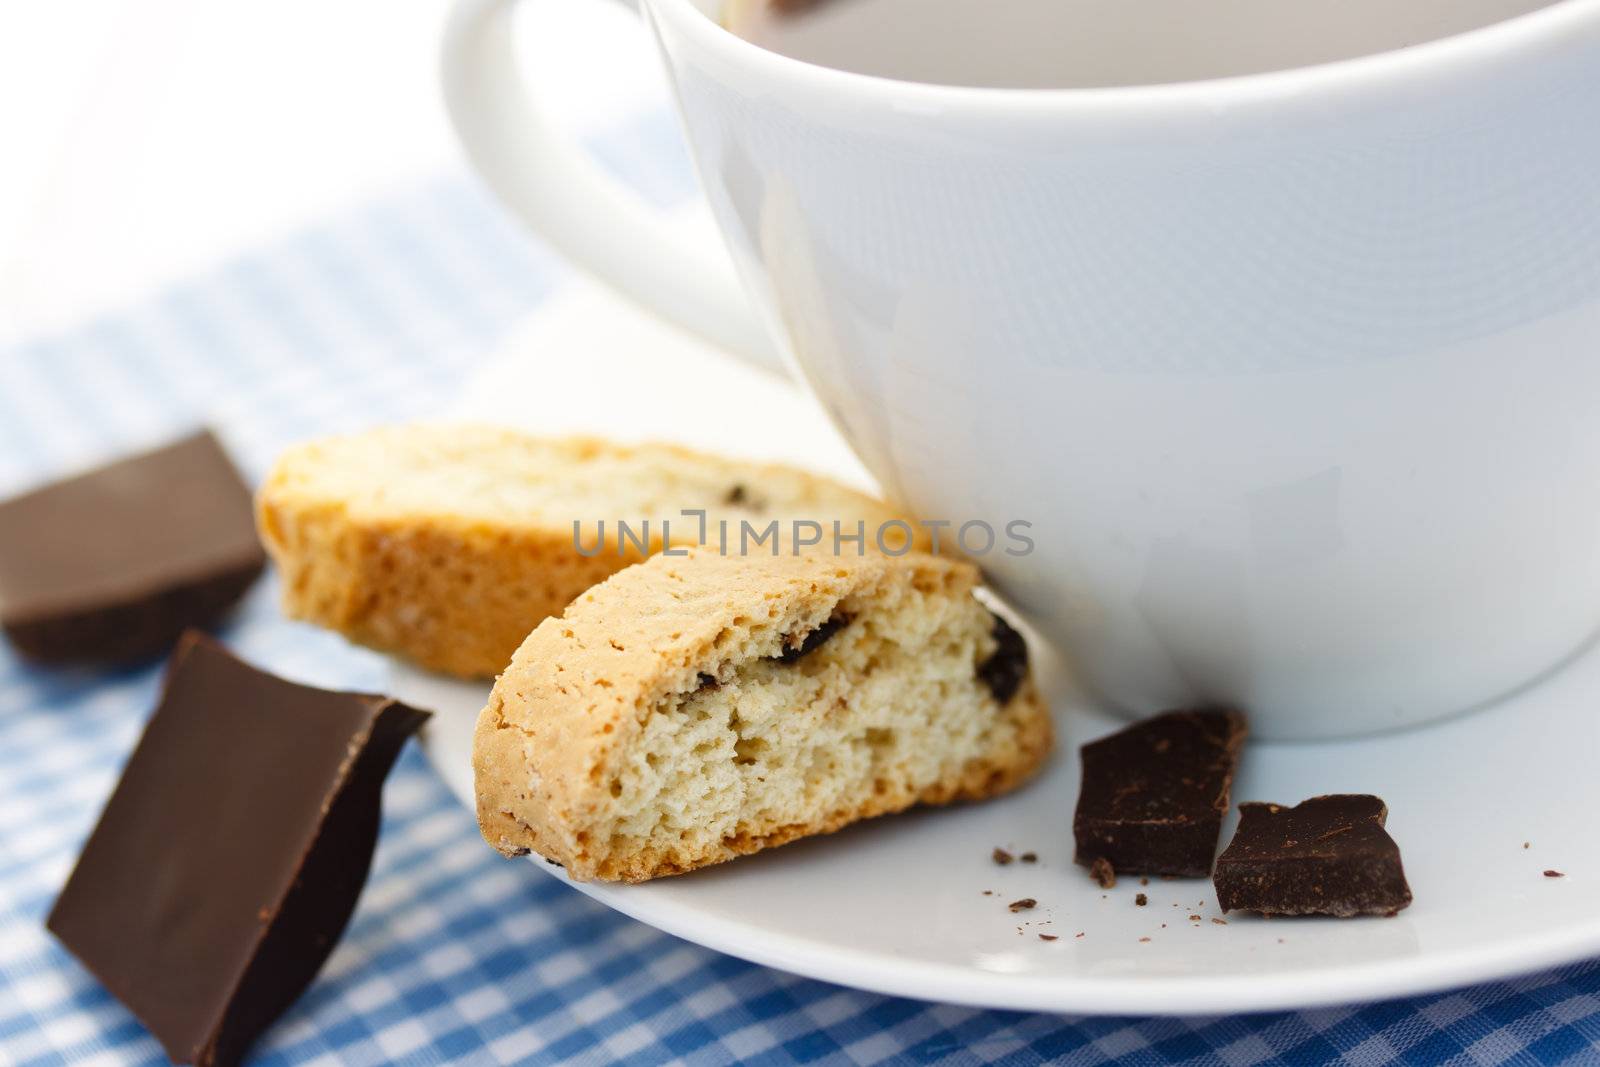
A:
(455, 955)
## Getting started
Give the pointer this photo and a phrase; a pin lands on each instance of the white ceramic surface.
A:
(898, 906)
(1293, 374)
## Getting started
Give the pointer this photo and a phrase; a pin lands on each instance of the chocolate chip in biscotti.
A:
(1329, 855)
(812, 641)
(1153, 794)
(740, 496)
(1007, 666)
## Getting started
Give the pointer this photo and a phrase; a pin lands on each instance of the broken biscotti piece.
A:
(1154, 794)
(1327, 856)
(691, 710)
(449, 543)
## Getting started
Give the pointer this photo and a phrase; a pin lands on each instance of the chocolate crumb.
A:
(1141, 900)
(1142, 940)
(988, 892)
(1001, 856)
(1554, 874)
(553, 863)
(1080, 933)
(1024, 904)
(1525, 844)
(1047, 937)
(735, 496)
(1163, 926)
(1144, 881)
(1219, 922)
(1194, 918)
(707, 682)
(1029, 857)
(1102, 871)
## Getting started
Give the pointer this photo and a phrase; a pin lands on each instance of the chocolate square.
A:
(1154, 794)
(1330, 855)
(230, 855)
(112, 565)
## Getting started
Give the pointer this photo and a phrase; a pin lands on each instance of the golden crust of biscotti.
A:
(454, 580)
(564, 714)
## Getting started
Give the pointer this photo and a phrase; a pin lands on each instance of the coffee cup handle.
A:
(550, 182)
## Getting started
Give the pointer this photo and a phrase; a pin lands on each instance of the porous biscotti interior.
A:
(477, 472)
(888, 705)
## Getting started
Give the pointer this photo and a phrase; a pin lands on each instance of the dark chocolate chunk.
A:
(812, 641)
(1007, 666)
(112, 565)
(1328, 856)
(230, 855)
(1154, 794)
(1025, 904)
(1140, 900)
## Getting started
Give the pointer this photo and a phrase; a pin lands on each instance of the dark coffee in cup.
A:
(1084, 43)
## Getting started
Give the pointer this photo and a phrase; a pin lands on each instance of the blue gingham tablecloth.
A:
(454, 955)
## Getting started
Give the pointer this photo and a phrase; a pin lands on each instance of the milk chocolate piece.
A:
(1154, 794)
(230, 856)
(112, 565)
(1328, 856)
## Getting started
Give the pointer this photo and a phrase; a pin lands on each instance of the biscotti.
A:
(690, 710)
(449, 543)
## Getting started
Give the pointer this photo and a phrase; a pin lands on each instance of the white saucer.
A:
(898, 905)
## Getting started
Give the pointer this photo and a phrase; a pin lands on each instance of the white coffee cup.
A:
(1294, 375)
